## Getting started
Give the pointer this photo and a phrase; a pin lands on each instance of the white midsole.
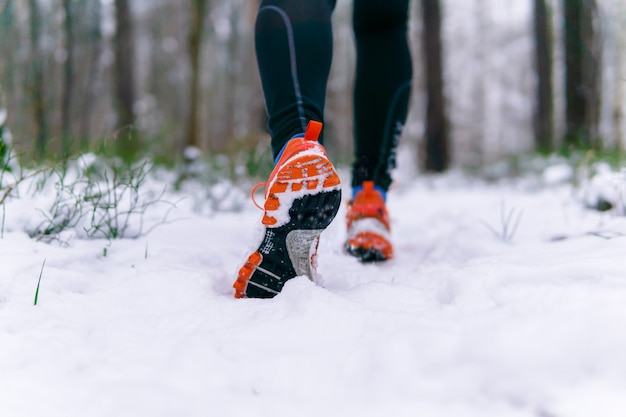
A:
(368, 224)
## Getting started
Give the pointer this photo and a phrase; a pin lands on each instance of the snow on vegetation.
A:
(460, 323)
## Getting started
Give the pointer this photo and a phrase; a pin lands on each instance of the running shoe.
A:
(368, 226)
(302, 197)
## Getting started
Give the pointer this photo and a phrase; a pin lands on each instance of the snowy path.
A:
(459, 324)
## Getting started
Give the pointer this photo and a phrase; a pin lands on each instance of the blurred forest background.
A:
(492, 79)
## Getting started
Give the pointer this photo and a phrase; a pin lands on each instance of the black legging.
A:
(294, 51)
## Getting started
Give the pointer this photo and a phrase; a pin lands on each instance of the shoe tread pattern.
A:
(312, 213)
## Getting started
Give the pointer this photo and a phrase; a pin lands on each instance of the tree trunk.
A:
(68, 79)
(7, 16)
(436, 133)
(581, 73)
(92, 16)
(618, 98)
(195, 45)
(544, 110)
(127, 137)
(35, 83)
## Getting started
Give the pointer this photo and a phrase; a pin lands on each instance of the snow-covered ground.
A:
(464, 322)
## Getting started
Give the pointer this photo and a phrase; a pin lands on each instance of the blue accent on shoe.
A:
(299, 135)
(358, 188)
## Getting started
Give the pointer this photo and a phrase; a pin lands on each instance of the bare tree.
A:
(582, 58)
(196, 29)
(68, 78)
(91, 16)
(618, 98)
(544, 110)
(127, 139)
(36, 78)
(7, 53)
(436, 133)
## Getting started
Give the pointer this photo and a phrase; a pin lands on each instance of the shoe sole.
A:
(365, 255)
(303, 199)
(368, 241)
(286, 251)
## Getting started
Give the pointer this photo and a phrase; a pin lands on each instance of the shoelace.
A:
(259, 185)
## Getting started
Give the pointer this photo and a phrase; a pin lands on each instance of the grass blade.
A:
(39, 281)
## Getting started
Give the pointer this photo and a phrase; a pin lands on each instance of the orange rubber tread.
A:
(371, 240)
(245, 273)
